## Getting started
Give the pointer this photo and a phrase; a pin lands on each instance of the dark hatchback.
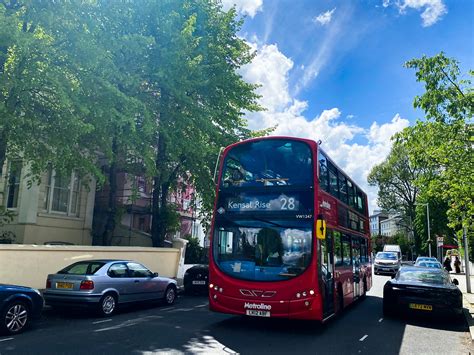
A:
(196, 279)
(424, 291)
(18, 306)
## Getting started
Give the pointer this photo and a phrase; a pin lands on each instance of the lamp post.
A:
(428, 223)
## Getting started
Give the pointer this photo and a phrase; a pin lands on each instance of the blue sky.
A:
(333, 69)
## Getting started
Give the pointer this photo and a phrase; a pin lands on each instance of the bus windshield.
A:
(261, 250)
(275, 162)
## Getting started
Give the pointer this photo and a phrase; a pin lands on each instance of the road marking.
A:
(128, 323)
(6, 339)
(202, 305)
(181, 310)
(363, 338)
(380, 320)
(167, 309)
(102, 321)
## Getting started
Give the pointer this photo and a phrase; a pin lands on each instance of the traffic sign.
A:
(439, 241)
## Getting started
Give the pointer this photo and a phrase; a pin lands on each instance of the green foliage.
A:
(395, 177)
(443, 144)
(153, 86)
(439, 152)
(195, 254)
(6, 215)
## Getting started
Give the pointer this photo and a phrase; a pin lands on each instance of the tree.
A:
(395, 177)
(195, 94)
(443, 143)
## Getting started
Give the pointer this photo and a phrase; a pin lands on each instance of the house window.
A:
(62, 193)
(13, 185)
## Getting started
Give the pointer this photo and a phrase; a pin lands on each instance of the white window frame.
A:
(50, 194)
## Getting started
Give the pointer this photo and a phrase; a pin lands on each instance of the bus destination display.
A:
(272, 202)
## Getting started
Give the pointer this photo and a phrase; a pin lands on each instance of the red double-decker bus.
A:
(290, 232)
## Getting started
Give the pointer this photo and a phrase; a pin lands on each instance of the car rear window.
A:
(434, 277)
(82, 268)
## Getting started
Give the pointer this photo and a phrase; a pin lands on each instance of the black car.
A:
(18, 305)
(196, 279)
(422, 290)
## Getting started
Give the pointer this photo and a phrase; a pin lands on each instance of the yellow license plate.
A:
(421, 307)
(65, 285)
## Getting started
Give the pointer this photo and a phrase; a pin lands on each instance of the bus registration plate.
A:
(251, 312)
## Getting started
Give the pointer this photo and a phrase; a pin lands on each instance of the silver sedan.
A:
(104, 284)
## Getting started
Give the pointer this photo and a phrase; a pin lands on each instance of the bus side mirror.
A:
(320, 228)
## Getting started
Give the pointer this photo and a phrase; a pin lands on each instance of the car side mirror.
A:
(455, 282)
(155, 274)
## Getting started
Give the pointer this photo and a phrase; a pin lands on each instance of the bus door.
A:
(327, 275)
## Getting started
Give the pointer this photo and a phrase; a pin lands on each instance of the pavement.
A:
(468, 300)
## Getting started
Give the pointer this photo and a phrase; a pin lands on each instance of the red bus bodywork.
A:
(301, 297)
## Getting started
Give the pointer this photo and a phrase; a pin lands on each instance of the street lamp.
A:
(428, 222)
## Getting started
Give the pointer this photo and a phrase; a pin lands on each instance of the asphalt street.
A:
(188, 327)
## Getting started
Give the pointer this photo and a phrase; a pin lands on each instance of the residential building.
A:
(134, 198)
(57, 210)
(391, 226)
(375, 221)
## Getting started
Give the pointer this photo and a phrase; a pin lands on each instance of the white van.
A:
(394, 248)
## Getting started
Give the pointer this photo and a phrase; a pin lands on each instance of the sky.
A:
(332, 70)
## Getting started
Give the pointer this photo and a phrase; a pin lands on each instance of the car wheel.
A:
(15, 317)
(107, 305)
(170, 295)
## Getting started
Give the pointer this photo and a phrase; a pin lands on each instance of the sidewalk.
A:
(468, 300)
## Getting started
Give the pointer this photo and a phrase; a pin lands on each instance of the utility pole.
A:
(429, 235)
(428, 223)
(466, 259)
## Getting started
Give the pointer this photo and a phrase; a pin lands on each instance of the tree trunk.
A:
(158, 224)
(112, 199)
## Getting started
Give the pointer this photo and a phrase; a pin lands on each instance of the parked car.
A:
(422, 290)
(196, 279)
(104, 284)
(435, 264)
(424, 258)
(18, 306)
(386, 263)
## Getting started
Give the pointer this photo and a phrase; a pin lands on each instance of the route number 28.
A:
(287, 203)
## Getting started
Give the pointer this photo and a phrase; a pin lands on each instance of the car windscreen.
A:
(423, 276)
(263, 251)
(275, 162)
(82, 268)
(388, 256)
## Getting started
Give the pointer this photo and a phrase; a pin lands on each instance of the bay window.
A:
(62, 193)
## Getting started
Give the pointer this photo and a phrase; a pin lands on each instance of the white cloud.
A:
(324, 50)
(324, 18)
(244, 7)
(270, 69)
(386, 3)
(434, 9)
